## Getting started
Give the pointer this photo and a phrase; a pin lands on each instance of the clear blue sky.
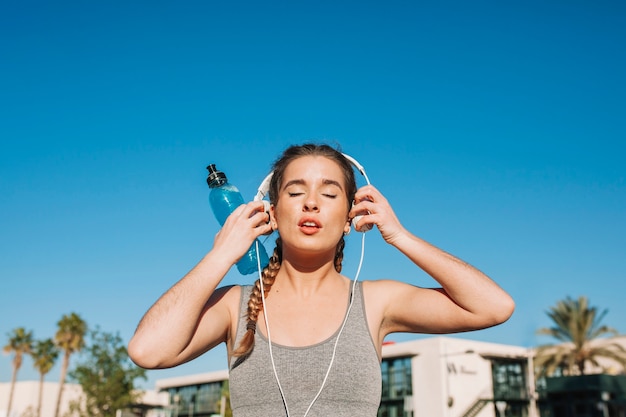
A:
(496, 129)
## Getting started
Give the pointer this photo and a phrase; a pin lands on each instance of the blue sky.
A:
(497, 131)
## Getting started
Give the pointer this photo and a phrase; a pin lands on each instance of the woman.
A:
(326, 333)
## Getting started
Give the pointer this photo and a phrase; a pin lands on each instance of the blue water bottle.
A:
(224, 198)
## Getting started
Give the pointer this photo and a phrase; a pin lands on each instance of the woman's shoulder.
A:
(384, 291)
(229, 294)
(376, 292)
(384, 285)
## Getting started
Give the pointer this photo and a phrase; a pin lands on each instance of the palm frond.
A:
(578, 330)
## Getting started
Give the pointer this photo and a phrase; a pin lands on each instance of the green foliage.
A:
(106, 375)
(70, 335)
(578, 328)
(20, 344)
(228, 412)
(70, 338)
(44, 354)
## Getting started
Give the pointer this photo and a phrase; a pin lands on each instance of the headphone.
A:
(265, 186)
(262, 191)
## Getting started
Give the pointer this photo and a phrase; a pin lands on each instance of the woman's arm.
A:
(467, 299)
(193, 316)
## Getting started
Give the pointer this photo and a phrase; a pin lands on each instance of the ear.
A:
(347, 227)
(272, 214)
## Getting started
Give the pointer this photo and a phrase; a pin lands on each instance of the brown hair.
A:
(255, 302)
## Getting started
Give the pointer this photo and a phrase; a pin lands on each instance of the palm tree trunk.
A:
(40, 396)
(66, 360)
(13, 379)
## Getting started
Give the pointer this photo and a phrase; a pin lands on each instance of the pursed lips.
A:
(309, 225)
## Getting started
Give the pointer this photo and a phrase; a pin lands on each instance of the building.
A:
(433, 377)
(195, 395)
(451, 377)
(26, 395)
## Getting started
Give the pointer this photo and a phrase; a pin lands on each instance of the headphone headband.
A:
(265, 184)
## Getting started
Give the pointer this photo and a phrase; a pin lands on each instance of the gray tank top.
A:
(353, 388)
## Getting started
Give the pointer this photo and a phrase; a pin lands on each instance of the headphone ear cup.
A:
(364, 228)
(266, 206)
(266, 209)
(355, 220)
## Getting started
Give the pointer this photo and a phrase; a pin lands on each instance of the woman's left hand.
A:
(374, 209)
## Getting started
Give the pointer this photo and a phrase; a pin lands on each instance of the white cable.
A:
(267, 329)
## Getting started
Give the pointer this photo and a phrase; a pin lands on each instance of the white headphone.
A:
(262, 191)
(265, 186)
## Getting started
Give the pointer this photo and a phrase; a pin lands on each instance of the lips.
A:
(309, 225)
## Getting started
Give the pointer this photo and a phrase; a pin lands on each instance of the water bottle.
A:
(224, 198)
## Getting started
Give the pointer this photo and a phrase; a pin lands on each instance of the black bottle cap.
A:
(216, 178)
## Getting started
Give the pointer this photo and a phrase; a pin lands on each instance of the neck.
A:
(306, 280)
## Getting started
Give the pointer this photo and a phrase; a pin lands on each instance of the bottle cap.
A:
(216, 178)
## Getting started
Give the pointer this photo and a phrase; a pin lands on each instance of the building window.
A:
(195, 400)
(397, 388)
(510, 391)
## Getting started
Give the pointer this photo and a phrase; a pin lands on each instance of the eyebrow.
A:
(303, 182)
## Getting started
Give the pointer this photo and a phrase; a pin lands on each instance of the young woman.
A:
(326, 333)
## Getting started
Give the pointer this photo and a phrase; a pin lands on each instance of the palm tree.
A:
(20, 344)
(70, 338)
(578, 328)
(44, 354)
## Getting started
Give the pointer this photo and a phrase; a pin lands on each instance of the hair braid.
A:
(339, 254)
(255, 302)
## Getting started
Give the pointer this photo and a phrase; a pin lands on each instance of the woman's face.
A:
(312, 208)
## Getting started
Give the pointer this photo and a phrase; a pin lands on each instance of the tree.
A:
(44, 355)
(106, 376)
(223, 404)
(20, 344)
(70, 338)
(578, 328)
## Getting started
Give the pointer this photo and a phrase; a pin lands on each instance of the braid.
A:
(255, 303)
(339, 254)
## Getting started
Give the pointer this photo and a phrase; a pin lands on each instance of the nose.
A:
(310, 204)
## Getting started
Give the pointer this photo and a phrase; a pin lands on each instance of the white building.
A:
(26, 395)
(452, 377)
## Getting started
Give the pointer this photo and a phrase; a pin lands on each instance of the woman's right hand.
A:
(246, 223)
